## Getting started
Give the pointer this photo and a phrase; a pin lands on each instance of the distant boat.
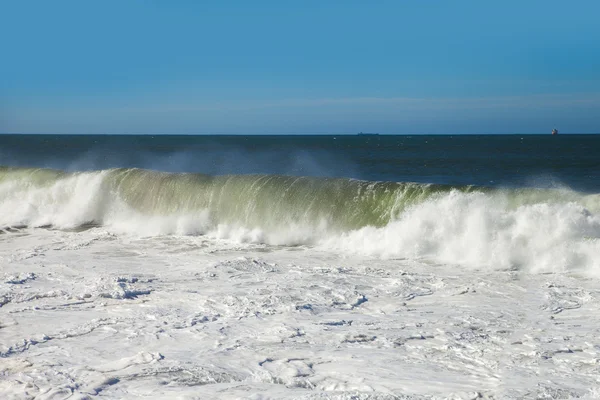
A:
(555, 131)
(367, 134)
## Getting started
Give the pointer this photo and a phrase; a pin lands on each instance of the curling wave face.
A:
(533, 229)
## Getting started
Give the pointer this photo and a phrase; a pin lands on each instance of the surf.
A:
(527, 228)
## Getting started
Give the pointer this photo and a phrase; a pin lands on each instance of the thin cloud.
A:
(533, 101)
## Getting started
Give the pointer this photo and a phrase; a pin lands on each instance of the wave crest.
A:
(533, 229)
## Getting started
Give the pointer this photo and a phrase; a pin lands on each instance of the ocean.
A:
(542, 161)
(318, 190)
(373, 266)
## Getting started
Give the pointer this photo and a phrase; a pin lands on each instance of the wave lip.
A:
(533, 229)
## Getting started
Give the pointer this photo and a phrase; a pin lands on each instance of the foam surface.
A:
(117, 315)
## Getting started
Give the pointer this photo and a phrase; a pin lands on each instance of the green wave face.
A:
(267, 201)
(532, 229)
(264, 201)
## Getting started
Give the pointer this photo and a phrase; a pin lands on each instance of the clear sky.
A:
(148, 66)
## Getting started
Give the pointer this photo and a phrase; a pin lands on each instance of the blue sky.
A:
(299, 66)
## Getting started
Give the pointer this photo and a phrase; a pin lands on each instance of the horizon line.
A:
(296, 134)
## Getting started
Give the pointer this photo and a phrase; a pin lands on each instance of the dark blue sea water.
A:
(499, 161)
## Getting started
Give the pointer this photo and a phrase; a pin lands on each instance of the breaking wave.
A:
(532, 229)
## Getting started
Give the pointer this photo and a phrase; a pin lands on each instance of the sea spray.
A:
(485, 231)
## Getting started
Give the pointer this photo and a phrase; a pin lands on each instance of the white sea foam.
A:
(484, 231)
(93, 312)
(64, 203)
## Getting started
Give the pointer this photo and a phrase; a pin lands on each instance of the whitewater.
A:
(539, 230)
(135, 282)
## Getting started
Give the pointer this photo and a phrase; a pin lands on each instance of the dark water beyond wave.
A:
(499, 161)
